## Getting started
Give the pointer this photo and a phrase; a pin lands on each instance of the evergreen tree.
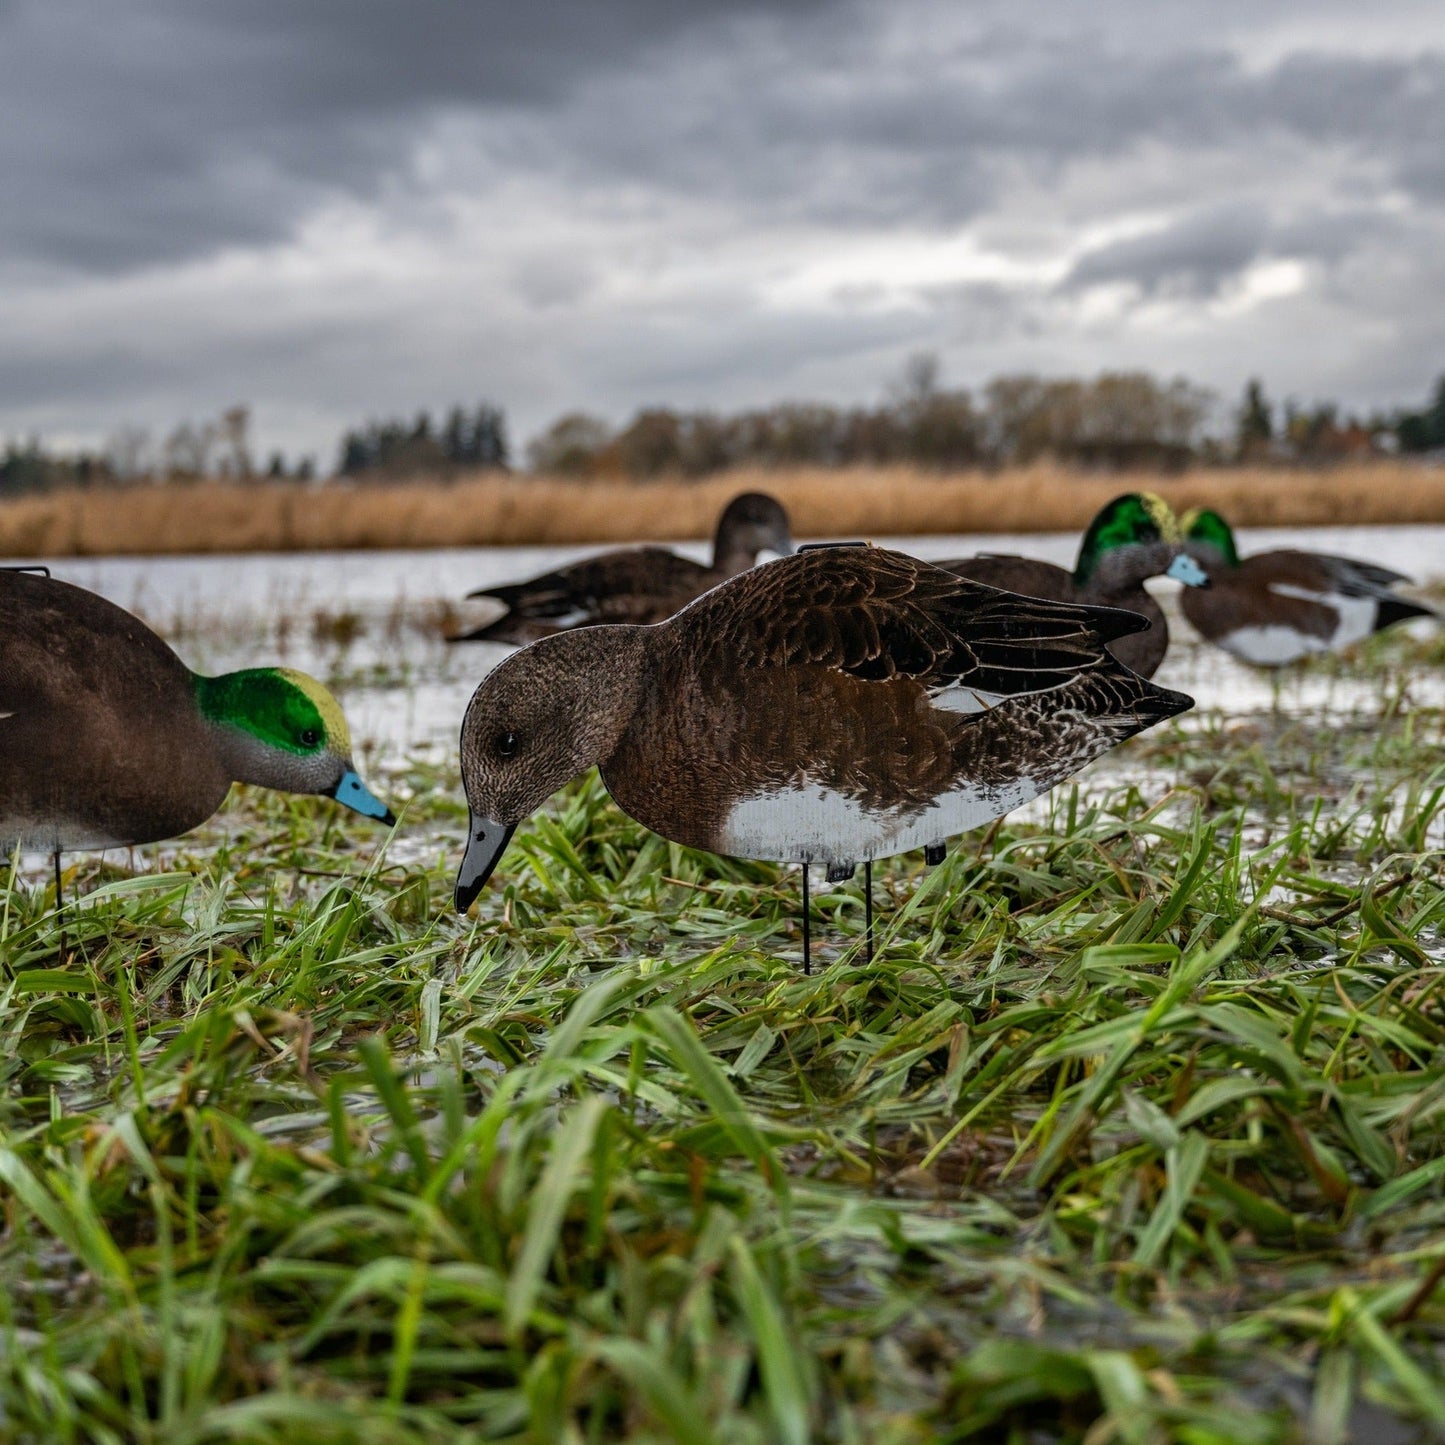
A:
(489, 437)
(1256, 419)
(356, 454)
(1437, 415)
(456, 439)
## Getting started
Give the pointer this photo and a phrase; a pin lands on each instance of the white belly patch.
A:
(1272, 646)
(815, 824)
(1357, 614)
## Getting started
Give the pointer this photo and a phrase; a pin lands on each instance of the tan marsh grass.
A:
(492, 510)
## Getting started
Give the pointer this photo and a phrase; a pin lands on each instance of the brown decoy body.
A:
(634, 584)
(1275, 608)
(1133, 538)
(833, 707)
(107, 739)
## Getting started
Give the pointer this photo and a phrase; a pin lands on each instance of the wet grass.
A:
(1134, 1130)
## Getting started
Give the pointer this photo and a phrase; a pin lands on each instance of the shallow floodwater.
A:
(372, 623)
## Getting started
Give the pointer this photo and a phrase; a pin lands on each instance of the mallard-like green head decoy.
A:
(1133, 538)
(108, 739)
(1274, 608)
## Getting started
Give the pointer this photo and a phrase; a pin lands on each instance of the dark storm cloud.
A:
(155, 130)
(1199, 254)
(1194, 257)
(169, 128)
(934, 141)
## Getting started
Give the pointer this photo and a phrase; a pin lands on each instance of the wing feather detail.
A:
(878, 614)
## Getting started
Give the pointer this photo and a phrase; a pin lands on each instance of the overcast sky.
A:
(338, 209)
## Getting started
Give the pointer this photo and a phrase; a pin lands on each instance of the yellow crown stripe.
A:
(337, 733)
(1162, 515)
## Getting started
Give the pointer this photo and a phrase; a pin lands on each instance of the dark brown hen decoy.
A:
(1275, 608)
(834, 707)
(1133, 538)
(634, 584)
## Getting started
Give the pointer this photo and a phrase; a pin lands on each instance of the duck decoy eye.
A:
(506, 744)
(310, 738)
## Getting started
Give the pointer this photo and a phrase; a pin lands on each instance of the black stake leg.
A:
(59, 904)
(807, 926)
(868, 905)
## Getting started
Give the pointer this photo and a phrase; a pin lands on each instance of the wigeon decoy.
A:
(634, 584)
(1274, 608)
(833, 707)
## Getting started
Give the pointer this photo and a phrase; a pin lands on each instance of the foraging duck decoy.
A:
(108, 739)
(1133, 538)
(1274, 608)
(837, 706)
(634, 584)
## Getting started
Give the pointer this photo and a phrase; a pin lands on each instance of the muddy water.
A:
(371, 623)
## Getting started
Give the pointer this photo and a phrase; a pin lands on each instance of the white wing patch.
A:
(965, 699)
(574, 618)
(958, 698)
(4, 715)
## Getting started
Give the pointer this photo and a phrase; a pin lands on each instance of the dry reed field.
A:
(493, 510)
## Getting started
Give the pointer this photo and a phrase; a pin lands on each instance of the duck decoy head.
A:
(751, 523)
(278, 728)
(1210, 538)
(537, 720)
(1132, 538)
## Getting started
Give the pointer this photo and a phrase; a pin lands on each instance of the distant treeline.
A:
(1114, 421)
(466, 441)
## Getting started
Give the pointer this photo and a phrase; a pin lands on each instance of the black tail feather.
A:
(1400, 609)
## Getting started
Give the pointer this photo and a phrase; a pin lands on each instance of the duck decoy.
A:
(1274, 608)
(1133, 538)
(833, 707)
(634, 584)
(107, 739)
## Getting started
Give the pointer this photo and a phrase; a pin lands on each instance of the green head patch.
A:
(282, 708)
(1209, 529)
(1137, 519)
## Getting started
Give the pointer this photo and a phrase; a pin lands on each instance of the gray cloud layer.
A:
(334, 209)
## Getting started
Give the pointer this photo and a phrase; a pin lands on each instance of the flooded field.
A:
(371, 624)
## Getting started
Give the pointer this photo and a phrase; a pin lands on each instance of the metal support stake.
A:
(59, 904)
(868, 905)
(807, 926)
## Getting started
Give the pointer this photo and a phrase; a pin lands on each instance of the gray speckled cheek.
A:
(1123, 568)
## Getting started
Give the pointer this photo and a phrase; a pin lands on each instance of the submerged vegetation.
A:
(1133, 1130)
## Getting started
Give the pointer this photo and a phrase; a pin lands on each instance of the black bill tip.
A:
(486, 842)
